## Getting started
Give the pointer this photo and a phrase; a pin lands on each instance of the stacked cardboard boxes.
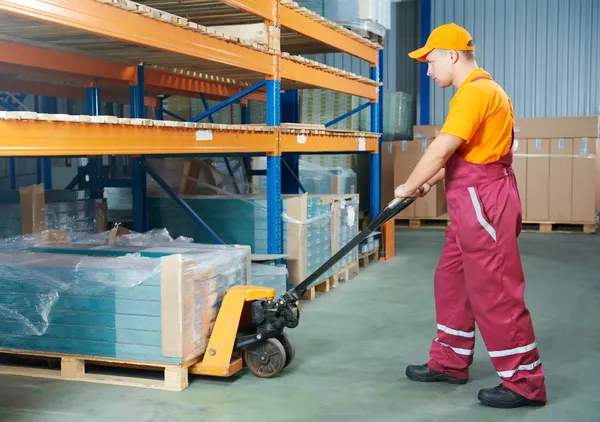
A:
(555, 163)
(398, 159)
(556, 168)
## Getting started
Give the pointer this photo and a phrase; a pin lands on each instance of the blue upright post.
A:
(376, 126)
(424, 83)
(158, 112)
(290, 171)
(274, 220)
(92, 108)
(138, 174)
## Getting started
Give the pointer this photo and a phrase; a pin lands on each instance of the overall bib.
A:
(480, 278)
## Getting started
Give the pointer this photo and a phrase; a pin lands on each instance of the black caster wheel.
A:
(266, 359)
(290, 350)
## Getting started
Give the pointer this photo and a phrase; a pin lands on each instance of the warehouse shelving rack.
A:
(128, 52)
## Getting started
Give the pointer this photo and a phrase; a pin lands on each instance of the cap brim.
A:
(420, 54)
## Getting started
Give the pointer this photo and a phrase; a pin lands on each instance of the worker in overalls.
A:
(479, 278)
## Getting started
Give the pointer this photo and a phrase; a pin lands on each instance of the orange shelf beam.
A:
(295, 71)
(264, 8)
(33, 61)
(40, 88)
(168, 83)
(306, 26)
(307, 142)
(27, 138)
(62, 91)
(105, 20)
(24, 55)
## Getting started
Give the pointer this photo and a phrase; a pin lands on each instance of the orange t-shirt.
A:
(482, 115)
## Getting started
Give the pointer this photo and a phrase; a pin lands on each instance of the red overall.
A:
(480, 278)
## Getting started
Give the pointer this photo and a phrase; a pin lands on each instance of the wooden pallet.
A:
(440, 222)
(369, 257)
(559, 227)
(323, 287)
(75, 368)
(348, 272)
(443, 221)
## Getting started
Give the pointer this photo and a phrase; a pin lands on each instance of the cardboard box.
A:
(387, 156)
(597, 148)
(406, 155)
(558, 127)
(520, 169)
(538, 173)
(561, 179)
(584, 180)
(429, 132)
(434, 204)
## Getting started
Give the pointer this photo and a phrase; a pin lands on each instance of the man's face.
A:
(440, 67)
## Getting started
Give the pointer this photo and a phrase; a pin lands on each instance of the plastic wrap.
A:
(347, 228)
(32, 209)
(316, 179)
(363, 16)
(136, 300)
(398, 116)
(198, 176)
(320, 106)
(274, 276)
(320, 180)
(368, 245)
(242, 219)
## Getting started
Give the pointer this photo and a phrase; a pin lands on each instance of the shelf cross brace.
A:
(197, 219)
(228, 101)
(348, 114)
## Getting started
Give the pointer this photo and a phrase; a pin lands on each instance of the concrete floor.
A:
(352, 347)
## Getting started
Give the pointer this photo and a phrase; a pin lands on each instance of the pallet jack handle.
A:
(396, 206)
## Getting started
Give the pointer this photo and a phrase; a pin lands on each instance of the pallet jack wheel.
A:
(290, 350)
(266, 359)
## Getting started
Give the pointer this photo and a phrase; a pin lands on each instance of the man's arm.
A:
(430, 167)
(439, 176)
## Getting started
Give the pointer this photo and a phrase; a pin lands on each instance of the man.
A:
(479, 277)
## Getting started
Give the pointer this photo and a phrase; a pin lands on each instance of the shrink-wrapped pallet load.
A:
(126, 300)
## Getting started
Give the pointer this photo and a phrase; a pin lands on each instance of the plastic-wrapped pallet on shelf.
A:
(397, 116)
(346, 211)
(316, 179)
(131, 301)
(319, 106)
(362, 16)
(368, 245)
(274, 276)
(32, 209)
(242, 219)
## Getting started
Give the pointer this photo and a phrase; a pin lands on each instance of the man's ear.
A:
(453, 56)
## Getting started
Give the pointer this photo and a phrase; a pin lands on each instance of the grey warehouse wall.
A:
(545, 53)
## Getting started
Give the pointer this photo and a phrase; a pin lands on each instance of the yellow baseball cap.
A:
(447, 37)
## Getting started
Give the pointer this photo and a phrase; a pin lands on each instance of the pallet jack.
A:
(250, 323)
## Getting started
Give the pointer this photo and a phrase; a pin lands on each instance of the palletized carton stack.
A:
(556, 167)
(398, 160)
(554, 159)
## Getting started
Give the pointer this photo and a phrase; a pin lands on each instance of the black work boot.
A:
(424, 373)
(505, 398)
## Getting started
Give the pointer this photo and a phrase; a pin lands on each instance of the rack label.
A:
(362, 144)
(301, 139)
(204, 135)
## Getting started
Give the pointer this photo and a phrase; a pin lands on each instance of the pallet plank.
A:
(73, 368)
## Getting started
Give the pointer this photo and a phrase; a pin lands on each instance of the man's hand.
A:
(403, 191)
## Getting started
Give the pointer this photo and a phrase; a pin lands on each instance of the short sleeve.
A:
(467, 110)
